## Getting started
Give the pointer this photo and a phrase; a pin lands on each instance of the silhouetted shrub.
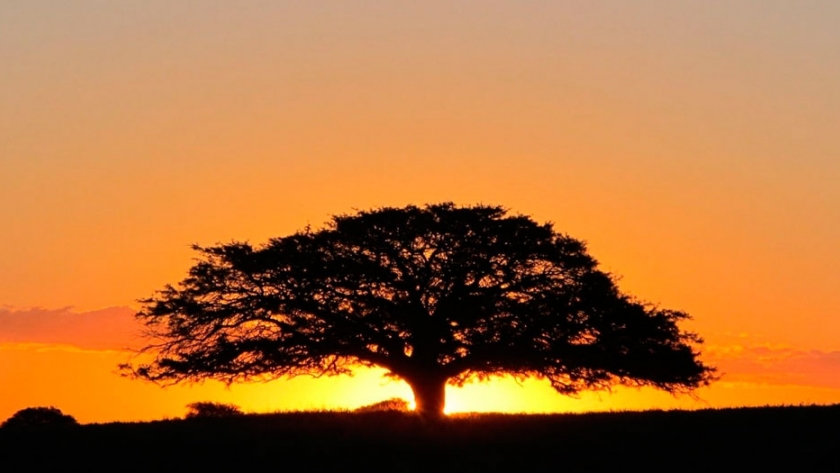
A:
(212, 410)
(38, 417)
(389, 405)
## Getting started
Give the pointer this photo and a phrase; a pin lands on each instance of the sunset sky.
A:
(693, 145)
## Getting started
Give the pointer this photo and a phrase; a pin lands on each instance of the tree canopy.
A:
(436, 294)
(38, 417)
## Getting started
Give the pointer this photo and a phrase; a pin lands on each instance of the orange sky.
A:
(693, 145)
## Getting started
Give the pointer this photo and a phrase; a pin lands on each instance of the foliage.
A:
(394, 404)
(38, 417)
(436, 294)
(212, 410)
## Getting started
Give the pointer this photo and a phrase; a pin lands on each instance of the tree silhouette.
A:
(206, 409)
(435, 295)
(38, 417)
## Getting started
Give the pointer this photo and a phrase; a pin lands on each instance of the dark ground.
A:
(750, 439)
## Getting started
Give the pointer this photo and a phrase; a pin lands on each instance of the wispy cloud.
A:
(54, 347)
(778, 364)
(113, 328)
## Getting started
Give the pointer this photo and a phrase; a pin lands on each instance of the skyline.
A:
(691, 146)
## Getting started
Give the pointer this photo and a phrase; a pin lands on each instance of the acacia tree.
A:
(435, 295)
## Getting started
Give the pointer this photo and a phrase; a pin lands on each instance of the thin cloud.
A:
(54, 347)
(763, 363)
(113, 328)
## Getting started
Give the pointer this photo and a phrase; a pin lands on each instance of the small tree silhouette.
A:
(38, 417)
(206, 410)
(395, 404)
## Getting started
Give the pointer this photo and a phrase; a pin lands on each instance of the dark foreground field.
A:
(805, 438)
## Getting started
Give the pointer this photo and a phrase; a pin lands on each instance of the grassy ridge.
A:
(807, 438)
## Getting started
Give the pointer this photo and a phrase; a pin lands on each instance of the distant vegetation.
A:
(38, 418)
(212, 410)
(395, 404)
(750, 439)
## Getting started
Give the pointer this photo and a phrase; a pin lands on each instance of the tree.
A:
(435, 295)
(205, 410)
(38, 417)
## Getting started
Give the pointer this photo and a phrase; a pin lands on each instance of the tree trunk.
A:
(429, 396)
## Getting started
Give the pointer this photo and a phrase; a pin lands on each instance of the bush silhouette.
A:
(395, 404)
(204, 410)
(38, 417)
